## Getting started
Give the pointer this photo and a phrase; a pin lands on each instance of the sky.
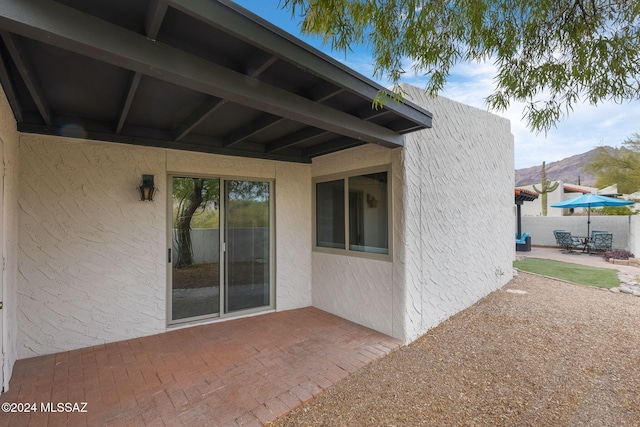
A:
(584, 129)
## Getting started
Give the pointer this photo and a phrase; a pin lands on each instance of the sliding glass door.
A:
(221, 245)
(195, 249)
(247, 245)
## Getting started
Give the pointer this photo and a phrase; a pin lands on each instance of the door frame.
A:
(221, 315)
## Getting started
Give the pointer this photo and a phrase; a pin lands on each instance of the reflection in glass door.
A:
(220, 234)
(247, 222)
(195, 250)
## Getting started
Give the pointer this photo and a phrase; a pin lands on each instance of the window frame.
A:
(345, 177)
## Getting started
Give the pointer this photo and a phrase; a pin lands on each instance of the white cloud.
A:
(584, 128)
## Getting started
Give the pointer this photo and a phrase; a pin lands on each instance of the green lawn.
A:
(575, 273)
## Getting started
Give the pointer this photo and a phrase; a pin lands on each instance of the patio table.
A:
(584, 240)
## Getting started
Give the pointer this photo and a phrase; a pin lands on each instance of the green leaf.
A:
(550, 55)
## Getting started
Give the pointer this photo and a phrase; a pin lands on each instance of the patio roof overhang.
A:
(523, 195)
(198, 75)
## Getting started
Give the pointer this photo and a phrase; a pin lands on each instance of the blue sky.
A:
(587, 127)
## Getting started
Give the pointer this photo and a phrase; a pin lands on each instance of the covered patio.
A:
(173, 89)
(240, 372)
(338, 204)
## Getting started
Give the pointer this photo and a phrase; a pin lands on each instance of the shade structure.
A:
(591, 201)
(522, 195)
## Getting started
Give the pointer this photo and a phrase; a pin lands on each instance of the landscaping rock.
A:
(629, 283)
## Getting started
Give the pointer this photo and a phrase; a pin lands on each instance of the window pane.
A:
(247, 245)
(195, 273)
(368, 222)
(330, 214)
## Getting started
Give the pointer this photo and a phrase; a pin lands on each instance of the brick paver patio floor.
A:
(240, 372)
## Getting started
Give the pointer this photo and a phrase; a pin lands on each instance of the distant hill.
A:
(567, 170)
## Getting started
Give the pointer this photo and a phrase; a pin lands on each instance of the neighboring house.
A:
(634, 196)
(610, 191)
(315, 197)
(572, 190)
(569, 191)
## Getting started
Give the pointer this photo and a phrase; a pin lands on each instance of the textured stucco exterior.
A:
(458, 217)
(86, 260)
(452, 239)
(358, 288)
(92, 257)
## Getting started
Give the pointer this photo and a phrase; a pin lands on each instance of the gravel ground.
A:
(557, 355)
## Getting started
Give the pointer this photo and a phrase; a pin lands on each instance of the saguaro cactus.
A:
(546, 187)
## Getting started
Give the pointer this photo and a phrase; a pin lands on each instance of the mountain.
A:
(568, 170)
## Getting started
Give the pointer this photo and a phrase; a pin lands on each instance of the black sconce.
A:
(147, 188)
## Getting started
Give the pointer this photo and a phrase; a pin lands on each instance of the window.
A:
(330, 214)
(354, 207)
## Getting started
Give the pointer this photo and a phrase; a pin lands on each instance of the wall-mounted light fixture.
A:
(147, 188)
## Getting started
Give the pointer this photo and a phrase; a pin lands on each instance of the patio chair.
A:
(523, 244)
(600, 242)
(565, 240)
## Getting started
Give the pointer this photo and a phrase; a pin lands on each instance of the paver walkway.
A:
(239, 372)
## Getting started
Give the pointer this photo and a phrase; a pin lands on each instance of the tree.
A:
(190, 194)
(247, 204)
(621, 167)
(616, 210)
(549, 55)
(545, 187)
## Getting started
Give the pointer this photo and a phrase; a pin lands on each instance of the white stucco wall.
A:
(9, 139)
(357, 288)
(92, 257)
(534, 207)
(458, 216)
(634, 235)
(541, 228)
(452, 224)
(293, 236)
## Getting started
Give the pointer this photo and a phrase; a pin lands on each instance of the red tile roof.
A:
(524, 195)
(519, 191)
(573, 189)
